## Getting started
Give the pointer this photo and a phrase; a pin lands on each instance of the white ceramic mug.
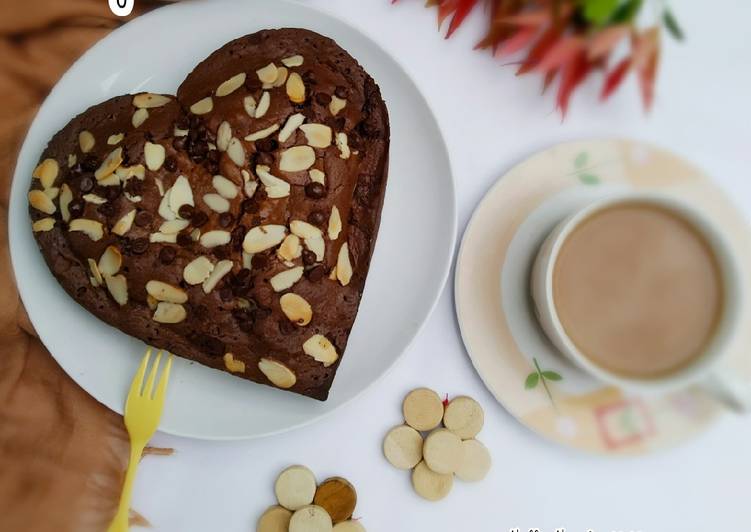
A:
(706, 370)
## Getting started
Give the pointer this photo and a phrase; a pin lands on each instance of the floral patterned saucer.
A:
(509, 350)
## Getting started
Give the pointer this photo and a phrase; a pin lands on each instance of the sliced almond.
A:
(267, 74)
(297, 158)
(153, 155)
(197, 270)
(263, 133)
(296, 308)
(42, 225)
(91, 228)
(117, 286)
(169, 313)
(126, 172)
(317, 135)
(295, 88)
(286, 279)
(139, 117)
(275, 187)
(47, 172)
(111, 180)
(249, 104)
(332, 273)
(86, 141)
(72, 160)
(293, 122)
(295, 487)
(250, 188)
(173, 226)
(66, 196)
(236, 151)
(148, 100)
(212, 239)
(317, 246)
(291, 248)
(246, 175)
(304, 230)
(52, 192)
(431, 485)
(402, 447)
(162, 291)
(93, 198)
(343, 145)
(232, 364)
(422, 409)
(177, 132)
(123, 225)
(216, 203)
(263, 104)
(195, 234)
(442, 451)
(151, 302)
(202, 106)
(263, 237)
(226, 188)
(96, 275)
(278, 374)
(231, 85)
(180, 194)
(247, 260)
(115, 139)
(293, 61)
(321, 349)
(110, 261)
(222, 268)
(163, 238)
(223, 136)
(316, 176)
(335, 223)
(110, 164)
(281, 77)
(164, 206)
(131, 197)
(336, 104)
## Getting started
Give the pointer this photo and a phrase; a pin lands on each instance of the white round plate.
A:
(155, 52)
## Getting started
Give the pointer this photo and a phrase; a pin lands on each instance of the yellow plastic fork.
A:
(143, 409)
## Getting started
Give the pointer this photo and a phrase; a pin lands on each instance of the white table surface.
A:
(492, 120)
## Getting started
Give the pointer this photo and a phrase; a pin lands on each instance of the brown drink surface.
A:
(638, 290)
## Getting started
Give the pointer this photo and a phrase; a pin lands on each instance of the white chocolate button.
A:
(310, 519)
(464, 417)
(275, 519)
(349, 526)
(423, 409)
(402, 447)
(475, 461)
(442, 451)
(429, 484)
(295, 487)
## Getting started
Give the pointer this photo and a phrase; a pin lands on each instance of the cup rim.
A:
(701, 367)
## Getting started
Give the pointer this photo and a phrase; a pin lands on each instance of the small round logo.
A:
(121, 8)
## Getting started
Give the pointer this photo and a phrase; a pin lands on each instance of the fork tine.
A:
(161, 387)
(137, 384)
(152, 376)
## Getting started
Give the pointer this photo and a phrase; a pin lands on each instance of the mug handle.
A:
(733, 391)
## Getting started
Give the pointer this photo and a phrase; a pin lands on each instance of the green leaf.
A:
(626, 11)
(672, 25)
(581, 160)
(552, 375)
(589, 179)
(598, 11)
(532, 380)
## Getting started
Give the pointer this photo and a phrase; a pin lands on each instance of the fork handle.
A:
(120, 521)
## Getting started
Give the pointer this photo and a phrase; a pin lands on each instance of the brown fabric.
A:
(62, 454)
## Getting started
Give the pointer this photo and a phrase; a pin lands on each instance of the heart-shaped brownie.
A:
(233, 224)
